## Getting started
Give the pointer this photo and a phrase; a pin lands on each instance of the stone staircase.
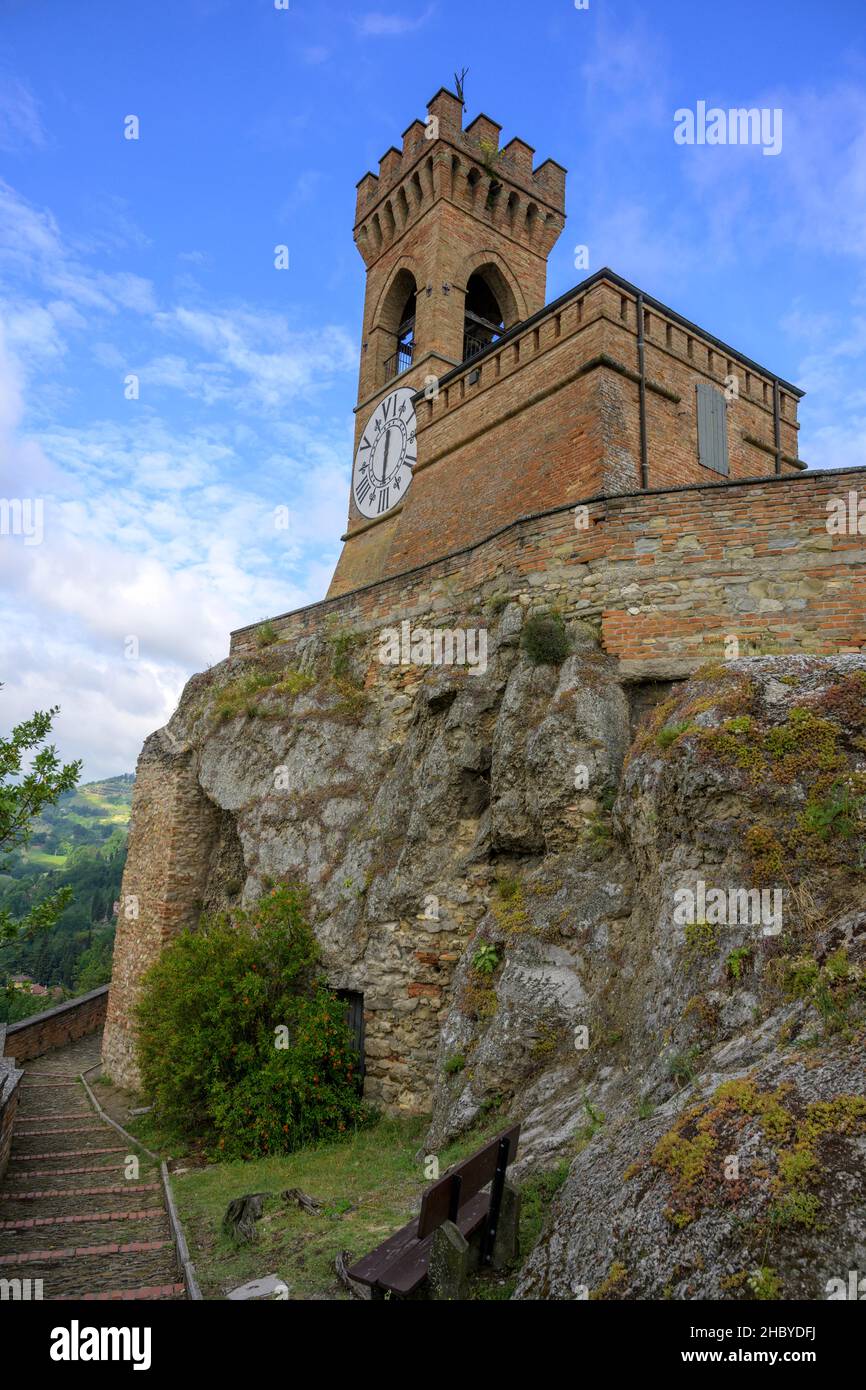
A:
(68, 1214)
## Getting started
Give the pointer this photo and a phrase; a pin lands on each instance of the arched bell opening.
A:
(398, 320)
(490, 310)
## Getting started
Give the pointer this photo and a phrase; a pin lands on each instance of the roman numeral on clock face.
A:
(384, 502)
(362, 489)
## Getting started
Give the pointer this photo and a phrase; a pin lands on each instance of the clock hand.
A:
(385, 459)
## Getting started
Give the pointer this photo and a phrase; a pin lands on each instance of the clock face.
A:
(386, 455)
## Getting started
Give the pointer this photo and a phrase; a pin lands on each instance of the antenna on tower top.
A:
(459, 79)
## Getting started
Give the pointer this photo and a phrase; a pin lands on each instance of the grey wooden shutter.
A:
(712, 429)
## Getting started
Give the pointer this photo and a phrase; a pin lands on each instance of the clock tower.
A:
(455, 233)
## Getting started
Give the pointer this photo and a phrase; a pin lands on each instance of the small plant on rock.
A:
(765, 1284)
(486, 958)
(544, 639)
(738, 960)
(681, 1066)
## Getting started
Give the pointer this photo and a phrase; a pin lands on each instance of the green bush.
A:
(544, 639)
(214, 1008)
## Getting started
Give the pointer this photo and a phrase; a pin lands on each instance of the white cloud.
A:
(154, 528)
(24, 469)
(272, 363)
(377, 24)
(625, 76)
(33, 249)
(108, 706)
(20, 123)
(200, 258)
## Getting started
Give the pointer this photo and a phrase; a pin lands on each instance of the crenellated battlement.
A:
(441, 159)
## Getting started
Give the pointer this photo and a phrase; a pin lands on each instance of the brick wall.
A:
(58, 1026)
(553, 415)
(667, 574)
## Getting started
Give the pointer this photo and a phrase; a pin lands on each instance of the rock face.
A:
(722, 1151)
(547, 886)
(397, 794)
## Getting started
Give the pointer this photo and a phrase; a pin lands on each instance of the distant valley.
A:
(80, 842)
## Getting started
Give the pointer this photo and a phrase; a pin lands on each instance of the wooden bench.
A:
(399, 1266)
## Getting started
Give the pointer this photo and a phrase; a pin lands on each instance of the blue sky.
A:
(156, 257)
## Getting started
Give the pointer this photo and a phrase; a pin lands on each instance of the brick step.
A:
(80, 1228)
(31, 1086)
(112, 1269)
(77, 1173)
(97, 1137)
(77, 1213)
(40, 1133)
(47, 1156)
(37, 1073)
(176, 1292)
(56, 1117)
(51, 1110)
(64, 1240)
(15, 1206)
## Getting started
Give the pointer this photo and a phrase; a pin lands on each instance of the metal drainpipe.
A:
(777, 424)
(641, 363)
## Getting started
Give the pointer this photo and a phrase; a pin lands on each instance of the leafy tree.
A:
(94, 965)
(23, 795)
(18, 1004)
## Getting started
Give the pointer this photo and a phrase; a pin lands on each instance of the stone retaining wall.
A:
(10, 1076)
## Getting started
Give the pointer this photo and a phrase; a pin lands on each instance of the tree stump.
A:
(242, 1213)
(241, 1216)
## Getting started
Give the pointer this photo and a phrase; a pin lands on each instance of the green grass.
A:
(156, 1136)
(370, 1184)
(246, 694)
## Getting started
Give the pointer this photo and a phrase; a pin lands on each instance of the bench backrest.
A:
(464, 1181)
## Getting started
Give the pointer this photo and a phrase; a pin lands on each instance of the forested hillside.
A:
(80, 842)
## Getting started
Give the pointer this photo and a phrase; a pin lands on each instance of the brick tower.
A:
(480, 404)
(455, 234)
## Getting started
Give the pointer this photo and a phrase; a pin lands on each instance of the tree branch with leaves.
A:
(31, 777)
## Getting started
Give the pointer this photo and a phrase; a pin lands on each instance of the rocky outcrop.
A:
(721, 1154)
(503, 861)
